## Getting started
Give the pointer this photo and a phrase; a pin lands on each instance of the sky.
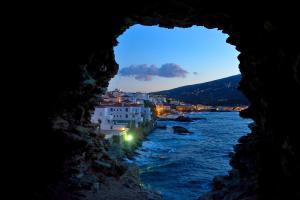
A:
(152, 58)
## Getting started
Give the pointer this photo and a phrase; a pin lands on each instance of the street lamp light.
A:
(128, 137)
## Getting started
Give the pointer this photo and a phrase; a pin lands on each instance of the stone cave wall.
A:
(76, 61)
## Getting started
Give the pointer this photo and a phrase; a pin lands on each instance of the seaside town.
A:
(130, 116)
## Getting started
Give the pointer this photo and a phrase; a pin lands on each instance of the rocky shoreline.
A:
(129, 183)
(97, 173)
(126, 187)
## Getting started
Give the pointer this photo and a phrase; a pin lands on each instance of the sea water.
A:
(183, 166)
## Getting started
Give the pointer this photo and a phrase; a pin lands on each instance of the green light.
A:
(128, 137)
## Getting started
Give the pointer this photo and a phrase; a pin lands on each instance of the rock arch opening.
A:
(139, 51)
(269, 62)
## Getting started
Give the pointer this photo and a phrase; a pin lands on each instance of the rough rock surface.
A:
(73, 60)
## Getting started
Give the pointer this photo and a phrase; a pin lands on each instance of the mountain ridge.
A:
(220, 92)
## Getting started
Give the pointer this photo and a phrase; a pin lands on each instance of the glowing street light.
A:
(128, 137)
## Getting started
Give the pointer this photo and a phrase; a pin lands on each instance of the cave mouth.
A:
(82, 51)
(139, 50)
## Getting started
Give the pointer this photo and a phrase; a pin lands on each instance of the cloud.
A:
(171, 70)
(195, 73)
(146, 73)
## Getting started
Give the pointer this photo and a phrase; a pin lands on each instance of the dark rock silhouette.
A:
(71, 60)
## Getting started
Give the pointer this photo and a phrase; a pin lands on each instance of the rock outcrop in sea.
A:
(181, 130)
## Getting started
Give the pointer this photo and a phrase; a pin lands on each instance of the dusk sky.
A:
(153, 58)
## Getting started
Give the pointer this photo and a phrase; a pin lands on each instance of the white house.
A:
(117, 117)
(137, 97)
(142, 96)
(157, 99)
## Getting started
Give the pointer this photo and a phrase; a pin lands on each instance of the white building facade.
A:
(156, 99)
(118, 117)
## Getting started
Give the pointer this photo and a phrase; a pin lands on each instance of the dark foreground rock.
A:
(72, 61)
(181, 130)
(127, 187)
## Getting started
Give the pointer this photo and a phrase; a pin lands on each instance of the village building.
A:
(120, 116)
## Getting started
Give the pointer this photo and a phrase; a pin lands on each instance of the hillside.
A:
(221, 92)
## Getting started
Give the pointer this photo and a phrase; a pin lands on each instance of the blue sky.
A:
(199, 54)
